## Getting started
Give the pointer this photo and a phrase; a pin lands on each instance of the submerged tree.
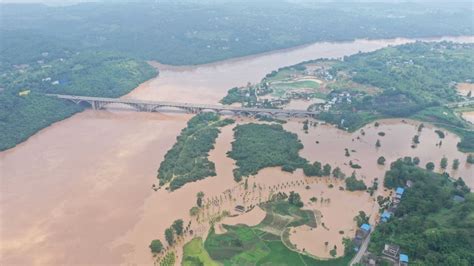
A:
(156, 246)
(416, 160)
(169, 235)
(381, 160)
(178, 226)
(455, 164)
(337, 173)
(295, 199)
(361, 218)
(470, 159)
(430, 166)
(327, 170)
(194, 211)
(444, 163)
(416, 139)
(200, 196)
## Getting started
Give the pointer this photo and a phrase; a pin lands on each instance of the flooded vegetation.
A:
(364, 87)
(94, 172)
(187, 161)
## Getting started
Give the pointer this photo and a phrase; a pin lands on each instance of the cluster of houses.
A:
(320, 73)
(251, 95)
(337, 98)
(390, 252)
(269, 103)
(300, 94)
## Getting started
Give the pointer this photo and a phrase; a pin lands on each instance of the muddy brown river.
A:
(79, 192)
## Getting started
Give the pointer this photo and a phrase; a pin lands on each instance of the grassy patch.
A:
(281, 214)
(195, 254)
(263, 244)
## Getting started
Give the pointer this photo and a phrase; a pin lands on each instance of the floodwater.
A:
(340, 207)
(465, 88)
(468, 116)
(79, 191)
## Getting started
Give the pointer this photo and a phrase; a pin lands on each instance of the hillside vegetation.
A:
(187, 160)
(429, 225)
(196, 32)
(414, 80)
(89, 73)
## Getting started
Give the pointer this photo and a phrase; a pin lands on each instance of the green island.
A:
(257, 146)
(187, 160)
(264, 244)
(23, 88)
(434, 221)
(416, 80)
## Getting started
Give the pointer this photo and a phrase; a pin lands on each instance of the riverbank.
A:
(79, 191)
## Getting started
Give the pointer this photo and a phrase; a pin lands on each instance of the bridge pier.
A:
(149, 106)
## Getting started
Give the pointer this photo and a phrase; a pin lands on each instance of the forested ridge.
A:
(415, 80)
(196, 32)
(429, 224)
(92, 48)
(24, 107)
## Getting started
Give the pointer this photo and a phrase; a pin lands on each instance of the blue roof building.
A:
(385, 216)
(403, 259)
(365, 227)
(399, 191)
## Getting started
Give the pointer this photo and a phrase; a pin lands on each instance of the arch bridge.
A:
(98, 103)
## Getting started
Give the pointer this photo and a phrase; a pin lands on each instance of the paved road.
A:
(154, 104)
(361, 251)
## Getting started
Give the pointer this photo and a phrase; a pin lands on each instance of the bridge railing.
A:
(102, 100)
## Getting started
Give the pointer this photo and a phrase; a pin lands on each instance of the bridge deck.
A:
(182, 105)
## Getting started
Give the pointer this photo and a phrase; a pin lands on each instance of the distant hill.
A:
(192, 32)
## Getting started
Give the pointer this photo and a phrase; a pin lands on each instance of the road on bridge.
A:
(152, 106)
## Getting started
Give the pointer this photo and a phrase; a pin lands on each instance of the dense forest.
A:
(24, 109)
(419, 74)
(194, 32)
(187, 160)
(429, 224)
(257, 146)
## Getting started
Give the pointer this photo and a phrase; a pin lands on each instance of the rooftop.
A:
(457, 198)
(403, 258)
(400, 191)
(365, 227)
(385, 216)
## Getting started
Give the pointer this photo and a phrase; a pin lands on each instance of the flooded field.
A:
(468, 116)
(79, 192)
(465, 88)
